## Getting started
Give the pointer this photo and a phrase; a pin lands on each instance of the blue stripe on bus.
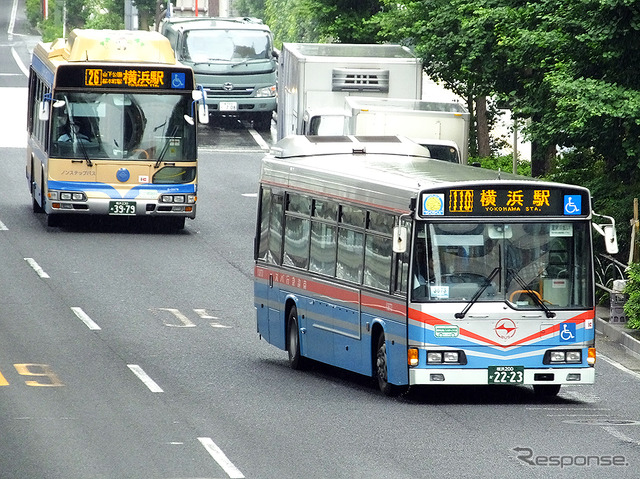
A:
(112, 192)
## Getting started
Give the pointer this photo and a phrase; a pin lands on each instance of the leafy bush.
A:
(503, 163)
(632, 289)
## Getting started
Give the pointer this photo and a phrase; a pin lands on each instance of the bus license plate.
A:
(506, 374)
(228, 106)
(122, 207)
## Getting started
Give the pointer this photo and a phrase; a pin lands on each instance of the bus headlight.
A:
(562, 356)
(446, 357)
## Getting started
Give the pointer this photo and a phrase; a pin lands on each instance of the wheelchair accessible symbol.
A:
(567, 332)
(572, 204)
(178, 80)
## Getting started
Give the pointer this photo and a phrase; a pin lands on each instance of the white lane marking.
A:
(259, 140)
(19, 62)
(3, 227)
(84, 317)
(621, 436)
(616, 364)
(144, 377)
(219, 456)
(250, 195)
(12, 20)
(36, 267)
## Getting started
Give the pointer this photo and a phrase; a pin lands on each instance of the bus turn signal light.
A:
(412, 356)
(591, 358)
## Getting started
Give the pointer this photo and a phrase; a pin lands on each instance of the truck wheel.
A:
(262, 121)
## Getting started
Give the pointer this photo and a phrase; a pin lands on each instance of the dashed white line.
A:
(144, 377)
(219, 456)
(36, 267)
(84, 317)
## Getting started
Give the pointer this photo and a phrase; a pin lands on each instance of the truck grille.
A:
(239, 91)
(360, 79)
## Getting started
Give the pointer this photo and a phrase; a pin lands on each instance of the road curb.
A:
(617, 334)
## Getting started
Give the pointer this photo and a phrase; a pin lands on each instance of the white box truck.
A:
(314, 76)
(442, 127)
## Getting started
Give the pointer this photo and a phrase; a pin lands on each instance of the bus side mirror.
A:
(399, 239)
(609, 233)
(43, 110)
(203, 113)
(200, 96)
(610, 239)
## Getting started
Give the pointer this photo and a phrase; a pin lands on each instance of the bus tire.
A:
(380, 368)
(546, 390)
(296, 361)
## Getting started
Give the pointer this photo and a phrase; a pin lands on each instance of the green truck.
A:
(233, 59)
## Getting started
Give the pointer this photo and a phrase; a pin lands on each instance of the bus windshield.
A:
(122, 126)
(532, 265)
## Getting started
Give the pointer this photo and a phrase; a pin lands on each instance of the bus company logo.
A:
(461, 201)
(505, 328)
(433, 205)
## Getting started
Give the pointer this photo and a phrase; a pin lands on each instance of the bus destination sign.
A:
(510, 200)
(146, 78)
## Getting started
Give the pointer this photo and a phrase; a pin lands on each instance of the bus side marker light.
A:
(591, 358)
(412, 356)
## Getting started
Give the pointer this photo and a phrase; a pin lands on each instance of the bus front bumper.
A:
(137, 207)
(481, 376)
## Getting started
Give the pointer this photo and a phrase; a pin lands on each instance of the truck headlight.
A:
(266, 92)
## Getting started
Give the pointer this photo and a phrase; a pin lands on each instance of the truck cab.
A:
(233, 59)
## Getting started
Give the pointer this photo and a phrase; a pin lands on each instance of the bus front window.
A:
(527, 265)
(122, 126)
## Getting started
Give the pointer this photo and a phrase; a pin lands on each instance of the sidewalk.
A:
(618, 332)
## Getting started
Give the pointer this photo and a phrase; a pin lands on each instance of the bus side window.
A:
(269, 248)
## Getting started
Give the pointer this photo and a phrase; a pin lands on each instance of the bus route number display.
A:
(133, 78)
(513, 200)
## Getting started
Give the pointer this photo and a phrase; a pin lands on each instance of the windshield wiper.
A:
(73, 130)
(478, 293)
(165, 147)
(532, 294)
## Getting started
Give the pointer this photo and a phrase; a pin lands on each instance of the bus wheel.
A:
(381, 369)
(296, 361)
(546, 390)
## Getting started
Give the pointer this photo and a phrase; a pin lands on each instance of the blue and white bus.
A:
(373, 257)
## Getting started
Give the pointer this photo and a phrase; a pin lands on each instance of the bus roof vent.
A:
(360, 79)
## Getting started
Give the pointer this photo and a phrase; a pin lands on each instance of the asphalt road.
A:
(128, 352)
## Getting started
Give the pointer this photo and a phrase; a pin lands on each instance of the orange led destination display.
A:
(127, 77)
(514, 200)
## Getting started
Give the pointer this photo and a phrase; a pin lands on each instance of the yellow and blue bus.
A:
(372, 257)
(112, 121)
